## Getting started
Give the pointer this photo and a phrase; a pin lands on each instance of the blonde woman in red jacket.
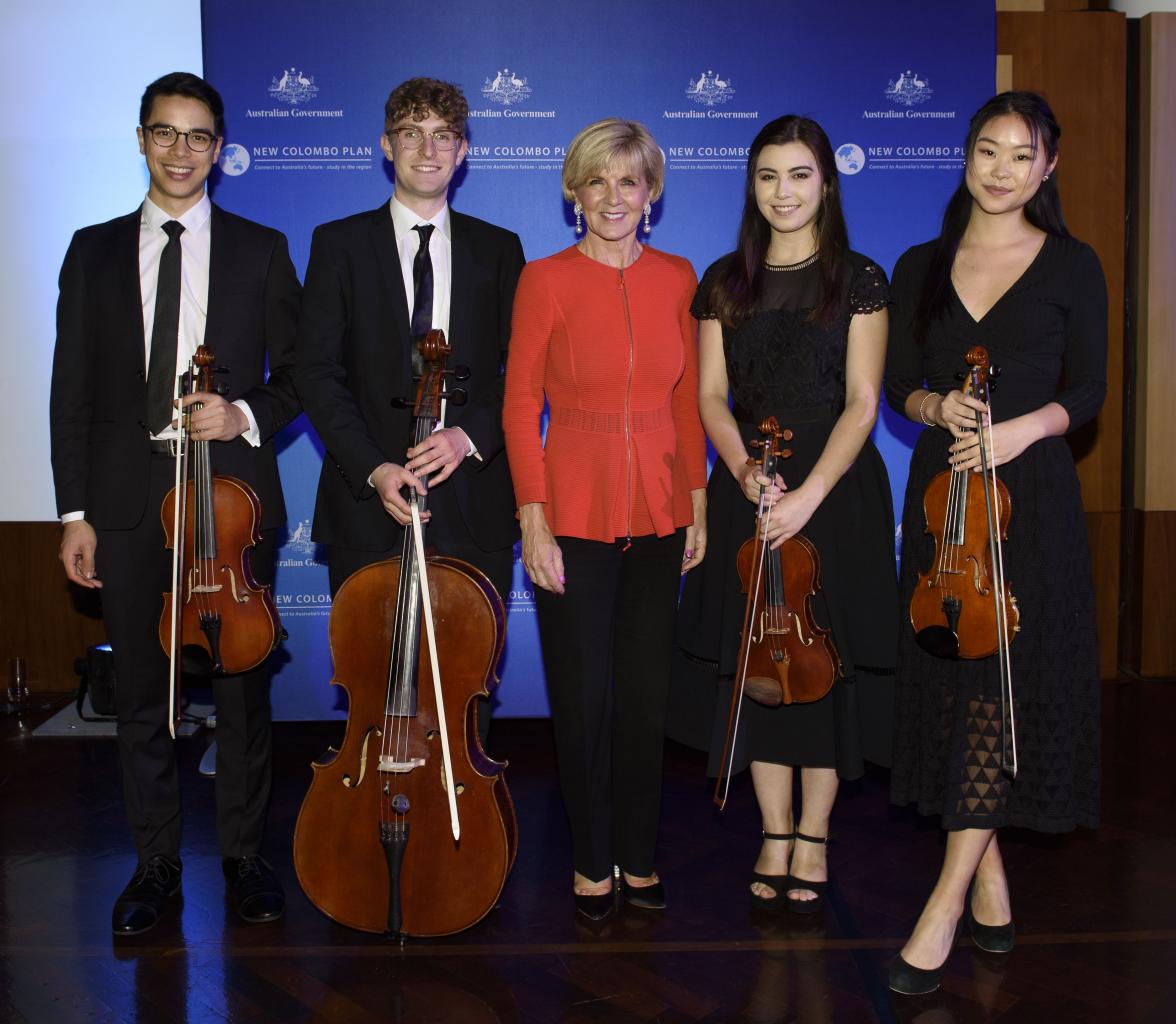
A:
(613, 507)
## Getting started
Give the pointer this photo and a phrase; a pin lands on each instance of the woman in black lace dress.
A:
(1005, 274)
(793, 325)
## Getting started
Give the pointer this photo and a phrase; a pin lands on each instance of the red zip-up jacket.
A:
(615, 355)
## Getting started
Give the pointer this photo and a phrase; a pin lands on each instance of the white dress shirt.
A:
(408, 243)
(195, 249)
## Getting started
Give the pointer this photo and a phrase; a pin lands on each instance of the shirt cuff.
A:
(252, 435)
(72, 517)
(472, 448)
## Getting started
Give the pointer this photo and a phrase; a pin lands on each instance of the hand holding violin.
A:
(216, 419)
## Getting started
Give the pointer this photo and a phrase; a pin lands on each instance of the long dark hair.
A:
(1043, 211)
(737, 289)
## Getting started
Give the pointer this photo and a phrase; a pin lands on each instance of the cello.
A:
(223, 623)
(785, 655)
(409, 828)
(962, 606)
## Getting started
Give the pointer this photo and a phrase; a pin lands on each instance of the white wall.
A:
(71, 74)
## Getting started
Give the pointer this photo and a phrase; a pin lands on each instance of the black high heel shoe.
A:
(776, 882)
(914, 981)
(992, 938)
(595, 906)
(645, 897)
(794, 882)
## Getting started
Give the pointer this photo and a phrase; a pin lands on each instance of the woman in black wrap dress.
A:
(1005, 274)
(793, 325)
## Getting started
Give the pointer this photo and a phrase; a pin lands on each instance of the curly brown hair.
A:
(418, 96)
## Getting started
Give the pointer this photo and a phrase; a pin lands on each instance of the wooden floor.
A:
(1095, 912)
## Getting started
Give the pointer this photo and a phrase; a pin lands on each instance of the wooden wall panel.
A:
(1078, 61)
(44, 619)
(1149, 595)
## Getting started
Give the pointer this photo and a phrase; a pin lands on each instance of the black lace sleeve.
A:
(700, 308)
(869, 291)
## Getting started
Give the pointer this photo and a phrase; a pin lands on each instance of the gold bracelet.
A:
(926, 422)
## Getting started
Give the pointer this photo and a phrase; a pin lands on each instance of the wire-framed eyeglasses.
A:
(444, 139)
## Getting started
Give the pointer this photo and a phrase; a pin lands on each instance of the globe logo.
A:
(234, 159)
(850, 158)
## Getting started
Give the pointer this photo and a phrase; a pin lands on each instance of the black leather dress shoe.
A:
(146, 896)
(256, 890)
(647, 897)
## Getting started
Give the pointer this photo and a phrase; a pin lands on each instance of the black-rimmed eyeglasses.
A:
(164, 136)
(413, 138)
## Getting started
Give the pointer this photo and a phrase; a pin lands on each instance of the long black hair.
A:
(1043, 211)
(737, 288)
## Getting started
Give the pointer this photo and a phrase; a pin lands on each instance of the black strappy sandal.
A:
(776, 882)
(792, 882)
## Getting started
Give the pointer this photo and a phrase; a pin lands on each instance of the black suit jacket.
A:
(355, 357)
(98, 403)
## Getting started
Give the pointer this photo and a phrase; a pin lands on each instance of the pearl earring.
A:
(1045, 177)
(647, 212)
(578, 210)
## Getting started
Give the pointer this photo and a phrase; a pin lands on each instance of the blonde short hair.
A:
(609, 144)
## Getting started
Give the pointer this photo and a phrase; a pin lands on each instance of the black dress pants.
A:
(607, 642)
(135, 570)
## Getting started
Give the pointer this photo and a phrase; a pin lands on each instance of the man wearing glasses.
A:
(376, 282)
(138, 295)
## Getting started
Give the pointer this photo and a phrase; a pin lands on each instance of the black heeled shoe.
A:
(992, 938)
(595, 906)
(914, 981)
(776, 882)
(794, 882)
(646, 897)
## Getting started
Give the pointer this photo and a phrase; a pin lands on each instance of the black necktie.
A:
(161, 374)
(422, 285)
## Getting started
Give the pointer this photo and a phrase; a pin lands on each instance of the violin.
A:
(785, 655)
(962, 606)
(223, 623)
(409, 828)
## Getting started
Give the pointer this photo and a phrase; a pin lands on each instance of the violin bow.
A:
(1008, 746)
(771, 428)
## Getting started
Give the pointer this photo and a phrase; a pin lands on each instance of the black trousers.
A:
(607, 643)
(447, 535)
(135, 570)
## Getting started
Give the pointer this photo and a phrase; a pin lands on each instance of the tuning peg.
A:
(994, 371)
(961, 376)
(222, 369)
(221, 389)
(785, 453)
(457, 396)
(786, 434)
(459, 372)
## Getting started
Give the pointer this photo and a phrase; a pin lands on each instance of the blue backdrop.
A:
(304, 87)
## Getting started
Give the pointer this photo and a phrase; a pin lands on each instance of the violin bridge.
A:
(390, 764)
(202, 588)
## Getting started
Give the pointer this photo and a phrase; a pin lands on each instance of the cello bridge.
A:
(390, 764)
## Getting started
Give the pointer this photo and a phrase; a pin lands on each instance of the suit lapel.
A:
(220, 273)
(462, 260)
(130, 301)
(383, 238)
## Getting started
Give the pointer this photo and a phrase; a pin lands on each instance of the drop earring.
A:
(647, 212)
(578, 210)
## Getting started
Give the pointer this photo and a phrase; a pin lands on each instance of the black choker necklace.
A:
(808, 261)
